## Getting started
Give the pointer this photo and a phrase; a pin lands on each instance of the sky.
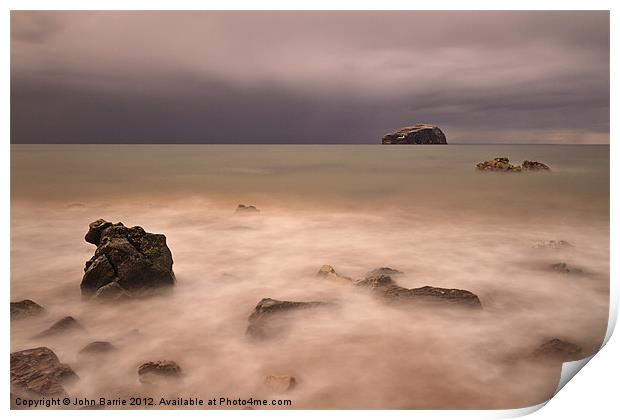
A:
(308, 77)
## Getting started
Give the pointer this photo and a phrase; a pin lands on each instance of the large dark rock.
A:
(39, 371)
(66, 324)
(136, 260)
(416, 134)
(261, 320)
(154, 371)
(25, 309)
(385, 287)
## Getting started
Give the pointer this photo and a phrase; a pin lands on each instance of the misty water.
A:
(423, 210)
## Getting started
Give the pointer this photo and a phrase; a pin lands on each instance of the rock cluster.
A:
(502, 164)
(40, 372)
(416, 134)
(380, 282)
(127, 261)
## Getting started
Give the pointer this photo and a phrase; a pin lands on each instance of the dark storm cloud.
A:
(308, 77)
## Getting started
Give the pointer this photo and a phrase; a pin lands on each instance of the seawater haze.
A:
(423, 210)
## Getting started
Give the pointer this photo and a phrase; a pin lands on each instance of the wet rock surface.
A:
(388, 271)
(137, 261)
(328, 272)
(65, 325)
(563, 267)
(280, 383)
(38, 371)
(154, 371)
(502, 164)
(26, 309)
(416, 134)
(260, 321)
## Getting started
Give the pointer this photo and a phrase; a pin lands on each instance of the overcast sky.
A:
(308, 77)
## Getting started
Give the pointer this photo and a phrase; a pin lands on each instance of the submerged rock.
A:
(25, 309)
(562, 267)
(553, 244)
(502, 164)
(66, 324)
(152, 371)
(280, 383)
(385, 287)
(531, 165)
(137, 261)
(265, 312)
(112, 292)
(327, 271)
(242, 208)
(97, 347)
(556, 350)
(416, 134)
(39, 371)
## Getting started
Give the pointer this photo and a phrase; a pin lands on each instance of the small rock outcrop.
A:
(40, 372)
(556, 350)
(327, 271)
(260, 321)
(66, 324)
(97, 347)
(134, 260)
(242, 208)
(416, 134)
(25, 309)
(153, 371)
(502, 164)
(562, 267)
(280, 383)
(383, 271)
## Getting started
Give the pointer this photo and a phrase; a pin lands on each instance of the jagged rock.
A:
(97, 347)
(242, 208)
(383, 271)
(152, 371)
(416, 134)
(39, 371)
(500, 164)
(66, 324)
(25, 309)
(136, 260)
(386, 288)
(531, 165)
(553, 244)
(261, 319)
(280, 383)
(327, 271)
(556, 350)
